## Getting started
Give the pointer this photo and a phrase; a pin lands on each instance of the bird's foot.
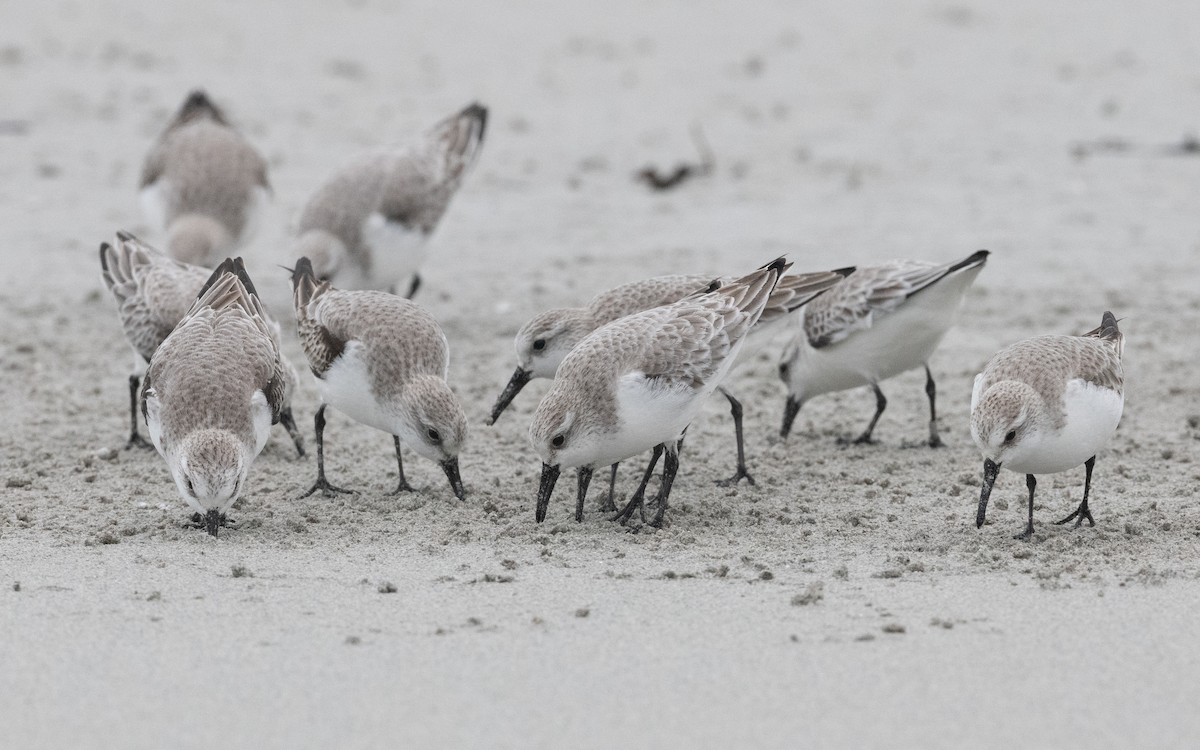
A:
(1081, 513)
(935, 441)
(137, 441)
(738, 476)
(626, 513)
(1025, 535)
(607, 505)
(402, 487)
(327, 489)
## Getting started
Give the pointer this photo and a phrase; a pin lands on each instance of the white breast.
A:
(397, 252)
(1092, 415)
(347, 388)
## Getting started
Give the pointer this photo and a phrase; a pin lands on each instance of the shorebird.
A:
(637, 383)
(153, 294)
(367, 226)
(382, 360)
(1048, 404)
(213, 389)
(203, 184)
(544, 341)
(881, 321)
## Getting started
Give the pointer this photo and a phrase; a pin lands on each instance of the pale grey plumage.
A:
(202, 182)
(212, 391)
(365, 227)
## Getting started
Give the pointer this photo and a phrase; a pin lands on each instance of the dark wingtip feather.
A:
(239, 268)
(1108, 325)
(125, 236)
(303, 270)
(844, 272)
(780, 264)
(480, 113)
(977, 258)
(104, 249)
(225, 266)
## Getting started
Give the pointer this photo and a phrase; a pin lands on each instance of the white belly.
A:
(396, 253)
(347, 388)
(1092, 417)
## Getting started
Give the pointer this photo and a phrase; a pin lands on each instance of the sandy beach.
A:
(846, 600)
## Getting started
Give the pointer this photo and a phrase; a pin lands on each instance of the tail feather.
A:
(118, 262)
(1108, 331)
(305, 286)
(752, 292)
(196, 105)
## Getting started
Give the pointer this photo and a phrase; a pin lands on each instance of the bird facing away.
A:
(1048, 404)
(637, 383)
(381, 360)
(367, 226)
(203, 184)
(881, 321)
(544, 341)
(153, 293)
(213, 389)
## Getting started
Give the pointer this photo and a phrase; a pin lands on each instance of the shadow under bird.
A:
(1049, 404)
(881, 321)
(546, 339)
(367, 226)
(381, 360)
(153, 294)
(203, 184)
(212, 391)
(636, 383)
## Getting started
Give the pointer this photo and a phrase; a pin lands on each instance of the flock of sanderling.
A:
(632, 368)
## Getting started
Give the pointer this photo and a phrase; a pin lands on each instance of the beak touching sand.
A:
(585, 477)
(789, 415)
(518, 380)
(990, 470)
(545, 490)
(450, 466)
(212, 521)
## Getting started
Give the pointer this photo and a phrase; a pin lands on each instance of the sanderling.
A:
(213, 389)
(1046, 405)
(366, 227)
(545, 340)
(382, 360)
(203, 184)
(637, 383)
(881, 321)
(153, 294)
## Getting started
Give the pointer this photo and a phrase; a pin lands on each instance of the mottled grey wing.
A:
(869, 292)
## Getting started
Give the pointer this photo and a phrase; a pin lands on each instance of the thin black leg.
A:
(740, 473)
(609, 505)
(935, 440)
(402, 485)
(322, 484)
(585, 478)
(135, 440)
(636, 500)
(670, 467)
(1082, 511)
(1031, 483)
(880, 405)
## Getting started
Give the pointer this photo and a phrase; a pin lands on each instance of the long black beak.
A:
(545, 490)
(450, 466)
(518, 380)
(990, 470)
(585, 477)
(212, 521)
(789, 415)
(289, 424)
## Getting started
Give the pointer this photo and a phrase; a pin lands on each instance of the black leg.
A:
(670, 467)
(414, 286)
(609, 505)
(880, 405)
(740, 473)
(402, 485)
(1082, 511)
(636, 500)
(1031, 483)
(327, 489)
(585, 478)
(289, 424)
(135, 440)
(935, 440)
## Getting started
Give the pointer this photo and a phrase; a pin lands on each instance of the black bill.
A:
(518, 380)
(545, 490)
(990, 470)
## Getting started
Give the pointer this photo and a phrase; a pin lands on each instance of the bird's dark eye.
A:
(539, 344)
(434, 435)
(783, 370)
(191, 489)
(558, 441)
(1011, 436)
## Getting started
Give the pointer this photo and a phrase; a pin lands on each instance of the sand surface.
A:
(846, 600)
